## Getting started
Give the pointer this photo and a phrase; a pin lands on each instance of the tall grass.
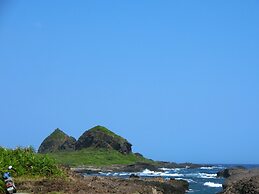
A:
(26, 162)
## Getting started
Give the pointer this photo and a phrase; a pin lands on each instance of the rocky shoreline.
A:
(137, 167)
(134, 183)
(240, 181)
(100, 138)
(104, 185)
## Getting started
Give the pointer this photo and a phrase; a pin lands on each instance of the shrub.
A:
(26, 162)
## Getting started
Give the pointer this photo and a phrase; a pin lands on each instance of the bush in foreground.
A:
(27, 163)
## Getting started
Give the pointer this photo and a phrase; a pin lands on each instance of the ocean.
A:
(202, 180)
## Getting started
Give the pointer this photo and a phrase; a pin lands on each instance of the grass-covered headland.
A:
(96, 157)
(27, 163)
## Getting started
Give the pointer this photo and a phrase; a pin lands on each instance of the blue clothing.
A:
(7, 175)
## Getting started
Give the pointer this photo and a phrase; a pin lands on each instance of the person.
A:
(7, 177)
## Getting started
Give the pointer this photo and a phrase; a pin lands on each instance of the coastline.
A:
(95, 182)
(136, 167)
(77, 183)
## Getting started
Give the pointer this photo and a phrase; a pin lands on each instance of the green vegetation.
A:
(27, 163)
(96, 157)
(107, 131)
(58, 134)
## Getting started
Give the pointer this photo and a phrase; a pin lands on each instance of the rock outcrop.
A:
(139, 167)
(97, 137)
(57, 141)
(101, 137)
(240, 181)
(231, 171)
(104, 185)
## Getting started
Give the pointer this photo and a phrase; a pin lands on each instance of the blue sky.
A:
(178, 79)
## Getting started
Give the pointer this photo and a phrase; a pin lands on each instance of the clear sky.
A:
(178, 79)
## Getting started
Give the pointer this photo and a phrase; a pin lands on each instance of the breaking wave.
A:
(199, 179)
(202, 175)
(147, 172)
(211, 167)
(211, 184)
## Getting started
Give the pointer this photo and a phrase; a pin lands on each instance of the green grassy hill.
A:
(97, 146)
(107, 131)
(96, 157)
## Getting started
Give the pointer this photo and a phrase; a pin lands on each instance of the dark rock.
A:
(101, 137)
(191, 165)
(167, 187)
(241, 181)
(134, 176)
(57, 141)
(179, 183)
(162, 164)
(86, 171)
(230, 172)
(138, 154)
(138, 167)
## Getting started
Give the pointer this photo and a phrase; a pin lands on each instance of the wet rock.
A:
(138, 167)
(134, 176)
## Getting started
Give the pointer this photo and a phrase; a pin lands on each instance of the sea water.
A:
(201, 180)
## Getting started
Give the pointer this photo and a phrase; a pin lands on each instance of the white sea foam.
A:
(207, 175)
(188, 180)
(190, 191)
(165, 169)
(169, 169)
(150, 173)
(202, 175)
(105, 173)
(211, 184)
(208, 168)
(211, 167)
(171, 175)
(146, 173)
